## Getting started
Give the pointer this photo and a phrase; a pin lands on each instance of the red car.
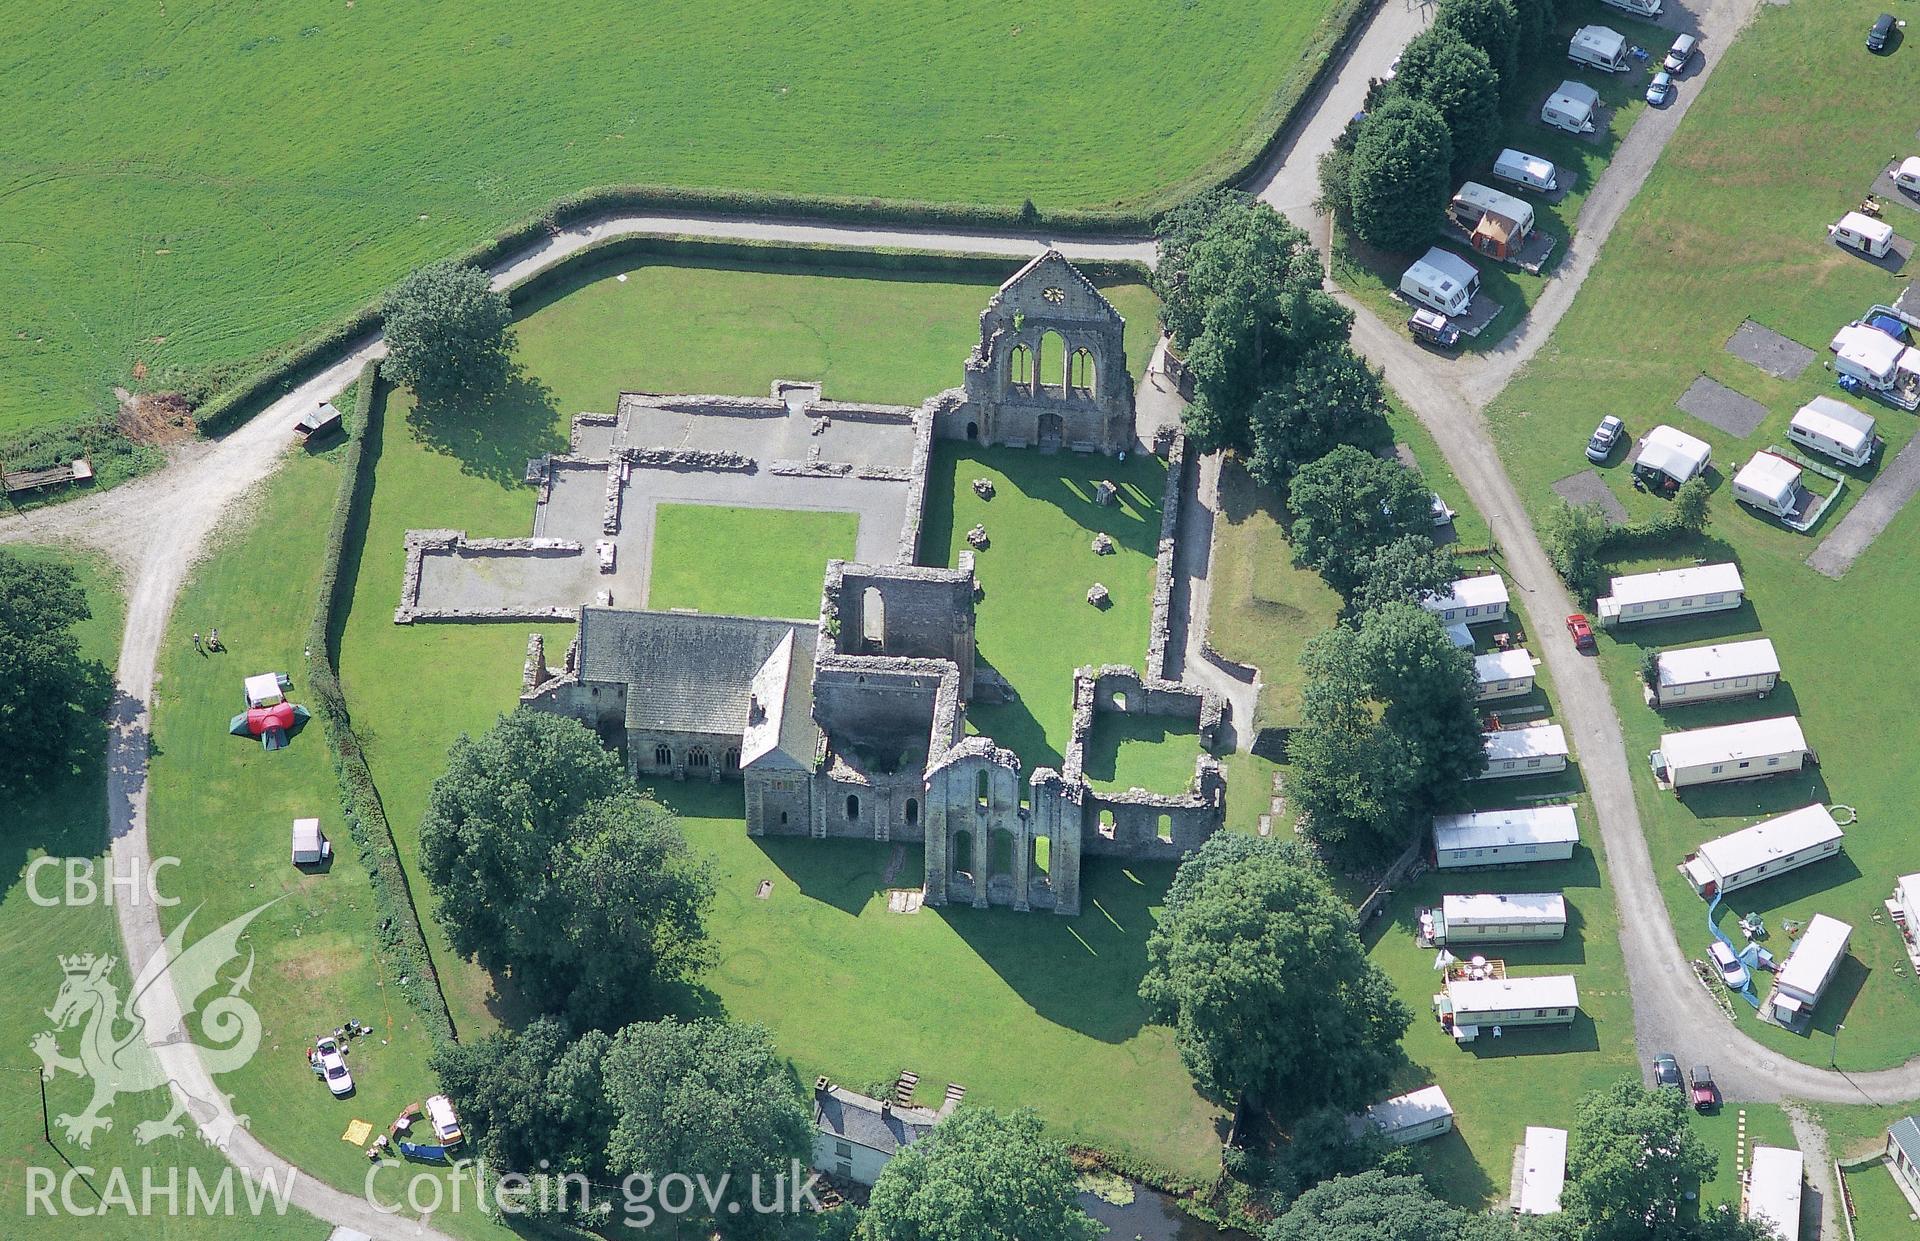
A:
(1705, 1093)
(1580, 631)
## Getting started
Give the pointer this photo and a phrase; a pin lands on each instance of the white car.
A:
(331, 1064)
(1732, 972)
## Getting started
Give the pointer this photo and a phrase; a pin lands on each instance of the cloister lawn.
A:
(744, 561)
(190, 186)
(1730, 226)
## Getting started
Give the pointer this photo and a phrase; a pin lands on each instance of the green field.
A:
(1730, 226)
(162, 212)
(1858, 1135)
(1372, 276)
(1152, 752)
(69, 821)
(744, 561)
(223, 805)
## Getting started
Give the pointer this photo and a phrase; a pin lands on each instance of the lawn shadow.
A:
(1113, 731)
(1013, 726)
(846, 874)
(1449, 1164)
(1758, 798)
(492, 430)
(1581, 1036)
(1081, 973)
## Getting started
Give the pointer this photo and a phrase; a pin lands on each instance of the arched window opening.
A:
(697, 757)
(1165, 829)
(963, 853)
(731, 759)
(662, 756)
(853, 806)
(913, 811)
(1020, 368)
(982, 790)
(1080, 372)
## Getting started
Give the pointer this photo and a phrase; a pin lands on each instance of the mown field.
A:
(192, 184)
(1731, 226)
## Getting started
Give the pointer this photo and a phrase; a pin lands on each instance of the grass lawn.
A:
(68, 820)
(1034, 625)
(1152, 752)
(1729, 226)
(1036, 1011)
(1880, 1211)
(222, 804)
(167, 223)
(1766, 1125)
(771, 559)
(1372, 276)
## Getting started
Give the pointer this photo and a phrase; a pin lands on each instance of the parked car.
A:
(330, 1062)
(1580, 631)
(1680, 53)
(1434, 328)
(1666, 1070)
(1660, 90)
(1705, 1093)
(1732, 972)
(1882, 31)
(1605, 437)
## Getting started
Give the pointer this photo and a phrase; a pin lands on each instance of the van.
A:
(1639, 8)
(1881, 32)
(1600, 47)
(1863, 233)
(1835, 429)
(1535, 173)
(1572, 107)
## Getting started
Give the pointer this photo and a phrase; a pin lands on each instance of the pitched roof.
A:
(781, 731)
(685, 672)
(1086, 300)
(1905, 1133)
(868, 1122)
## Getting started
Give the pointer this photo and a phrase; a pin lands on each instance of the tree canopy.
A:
(1456, 77)
(1348, 505)
(49, 692)
(1535, 29)
(531, 1095)
(547, 861)
(1630, 1159)
(446, 329)
(1493, 26)
(1245, 304)
(706, 1099)
(980, 1175)
(1429, 690)
(1369, 1206)
(1272, 998)
(1405, 570)
(1398, 178)
(1331, 397)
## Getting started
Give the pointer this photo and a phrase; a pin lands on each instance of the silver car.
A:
(1680, 53)
(1605, 437)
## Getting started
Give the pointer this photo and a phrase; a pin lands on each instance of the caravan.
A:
(1599, 47)
(1770, 483)
(1531, 171)
(1496, 224)
(1869, 236)
(1445, 282)
(1573, 107)
(1835, 429)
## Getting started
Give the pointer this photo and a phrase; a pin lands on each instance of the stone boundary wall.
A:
(786, 467)
(423, 543)
(587, 420)
(1157, 634)
(908, 550)
(1135, 815)
(1410, 863)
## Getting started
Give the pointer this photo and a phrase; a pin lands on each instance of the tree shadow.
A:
(1081, 973)
(1113, 731)
(492, 429)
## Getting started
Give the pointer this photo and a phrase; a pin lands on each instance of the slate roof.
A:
(684, 672)
(1905, 1133)
(860, 1120)
(784, 734)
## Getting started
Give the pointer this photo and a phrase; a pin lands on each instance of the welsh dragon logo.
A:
(115, 1051)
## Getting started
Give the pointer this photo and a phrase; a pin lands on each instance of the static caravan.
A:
(1573, 107)
(1531, 171)
(1903, 1152)
(1768, 848)
(1770, 483)
(1524, 751)
(1543, 1175)
(1504, 837)
(1906, 904)
(1471, 601)
(1869, 355)
(1672, 592)
(1497, 223)
(1411, 1117)
(1815, 959)
(1471, 1005)
(1774, 1174)
(1707, 673)
(1599, 47)
(1503, 674)
(1441, 281)
(1668, 454)
(1834, 429)
(1863, 233)
(1494, 918)
(1639, 8)
(1730, 752)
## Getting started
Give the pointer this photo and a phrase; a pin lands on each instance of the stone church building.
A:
(853, 723)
